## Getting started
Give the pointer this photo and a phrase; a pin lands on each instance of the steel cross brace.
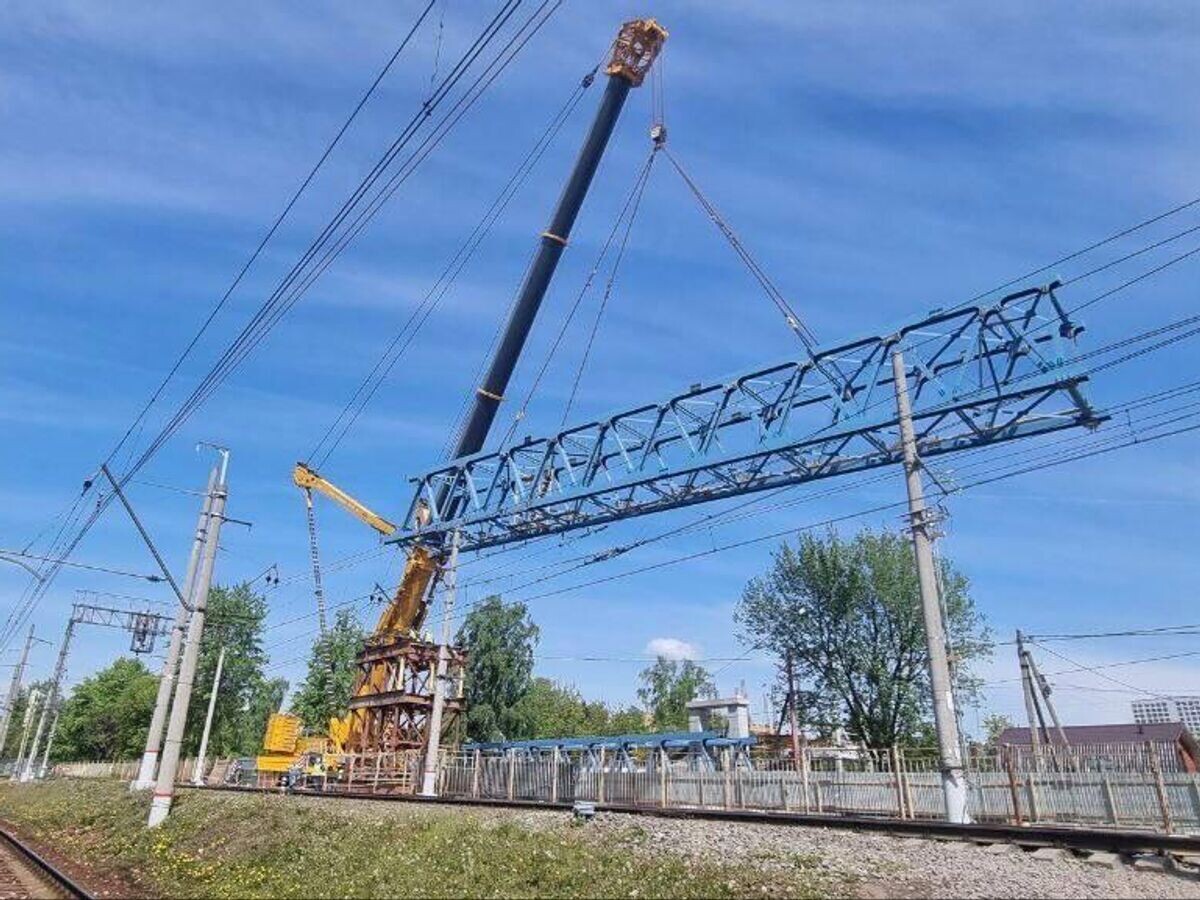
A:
(978, 375)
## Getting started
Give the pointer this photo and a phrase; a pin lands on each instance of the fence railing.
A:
(1072, 788)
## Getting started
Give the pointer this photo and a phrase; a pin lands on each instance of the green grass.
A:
(228, 845)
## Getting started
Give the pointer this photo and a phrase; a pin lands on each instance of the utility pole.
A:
(954, 783)
(198, 775)
(30, 712)
(49, 742)
(1045, 690)
(433, 745)
(164, 789)
(793, 718)
(1031, 711)
(60, 668)
(14, 689)
(146, 772)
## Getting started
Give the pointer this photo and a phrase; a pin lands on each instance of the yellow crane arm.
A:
(307, 479)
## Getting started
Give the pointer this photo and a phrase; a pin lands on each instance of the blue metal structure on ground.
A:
(702, 749)
(978, 375)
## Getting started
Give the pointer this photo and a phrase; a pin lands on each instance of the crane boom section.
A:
(308, 479)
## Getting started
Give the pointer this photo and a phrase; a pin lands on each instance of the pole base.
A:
(145, 777)
(954, 789)
(160, 806)
(428, 785)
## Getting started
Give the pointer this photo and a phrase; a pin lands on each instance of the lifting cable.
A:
(626, 216)
(802, 331)
(612, 277)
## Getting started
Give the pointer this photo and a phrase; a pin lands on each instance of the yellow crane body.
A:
(307, 479)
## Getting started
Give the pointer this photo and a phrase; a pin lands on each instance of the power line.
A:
(271, 231)
(280, 301)
(78, 565)
(403, 338)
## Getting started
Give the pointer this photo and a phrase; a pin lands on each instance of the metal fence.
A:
(1074, 786)
(1073, 789)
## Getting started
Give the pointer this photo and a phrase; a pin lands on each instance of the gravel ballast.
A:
(868, 865)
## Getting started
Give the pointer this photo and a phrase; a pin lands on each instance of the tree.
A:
(668, 685)
(499, 639)
(849, 611)
(245, 698)
(16, 721)
(326, 691)
(993, 726)
(549, 709)
(107, 714)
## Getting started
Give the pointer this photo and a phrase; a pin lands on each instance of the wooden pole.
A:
(1013, 789)
(1160, 787)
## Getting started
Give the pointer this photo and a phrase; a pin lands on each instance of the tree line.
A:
(844, 612)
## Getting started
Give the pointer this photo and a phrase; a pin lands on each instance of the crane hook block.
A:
(637, 46)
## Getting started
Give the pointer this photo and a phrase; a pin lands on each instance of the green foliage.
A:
(223, 845)
(16, 722)
(107, 714)
(330, 680)
(993, 726)
(549, 709)
(245, 697)
(668, 685)
(499, 638)
(849, 612)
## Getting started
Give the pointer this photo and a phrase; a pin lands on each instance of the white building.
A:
(1153, 711)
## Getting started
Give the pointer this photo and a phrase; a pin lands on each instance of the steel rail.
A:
(42, 866)
(1105, 840)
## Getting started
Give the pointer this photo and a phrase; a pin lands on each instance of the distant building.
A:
(730, 715)
(1115, 748)
(1153, 711)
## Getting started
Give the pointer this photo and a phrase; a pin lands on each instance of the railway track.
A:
(26, 874)
(1076, 838)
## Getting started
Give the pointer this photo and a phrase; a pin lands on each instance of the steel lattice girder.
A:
(978, 375)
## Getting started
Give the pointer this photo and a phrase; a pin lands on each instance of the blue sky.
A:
(879, 162)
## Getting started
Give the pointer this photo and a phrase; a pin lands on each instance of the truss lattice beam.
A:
(978, 375)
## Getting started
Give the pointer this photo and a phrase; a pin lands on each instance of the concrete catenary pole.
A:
(198, 775)
(60, 668)
(164, 788)
(1035, 737)
(433, 745)
(30, 713)
(14, 689)
(1045, 690)
(793, 718)
(162, 703)
(49, 743)
(954, 782)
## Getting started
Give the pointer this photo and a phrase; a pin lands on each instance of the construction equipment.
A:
(394, 689)
(393, 693)
(308, 480)
(285, 748)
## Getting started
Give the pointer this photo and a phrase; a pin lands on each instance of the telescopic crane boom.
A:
(308, 480)
(633, 53)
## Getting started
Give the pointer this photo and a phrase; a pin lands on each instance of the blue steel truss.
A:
(977, 375)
